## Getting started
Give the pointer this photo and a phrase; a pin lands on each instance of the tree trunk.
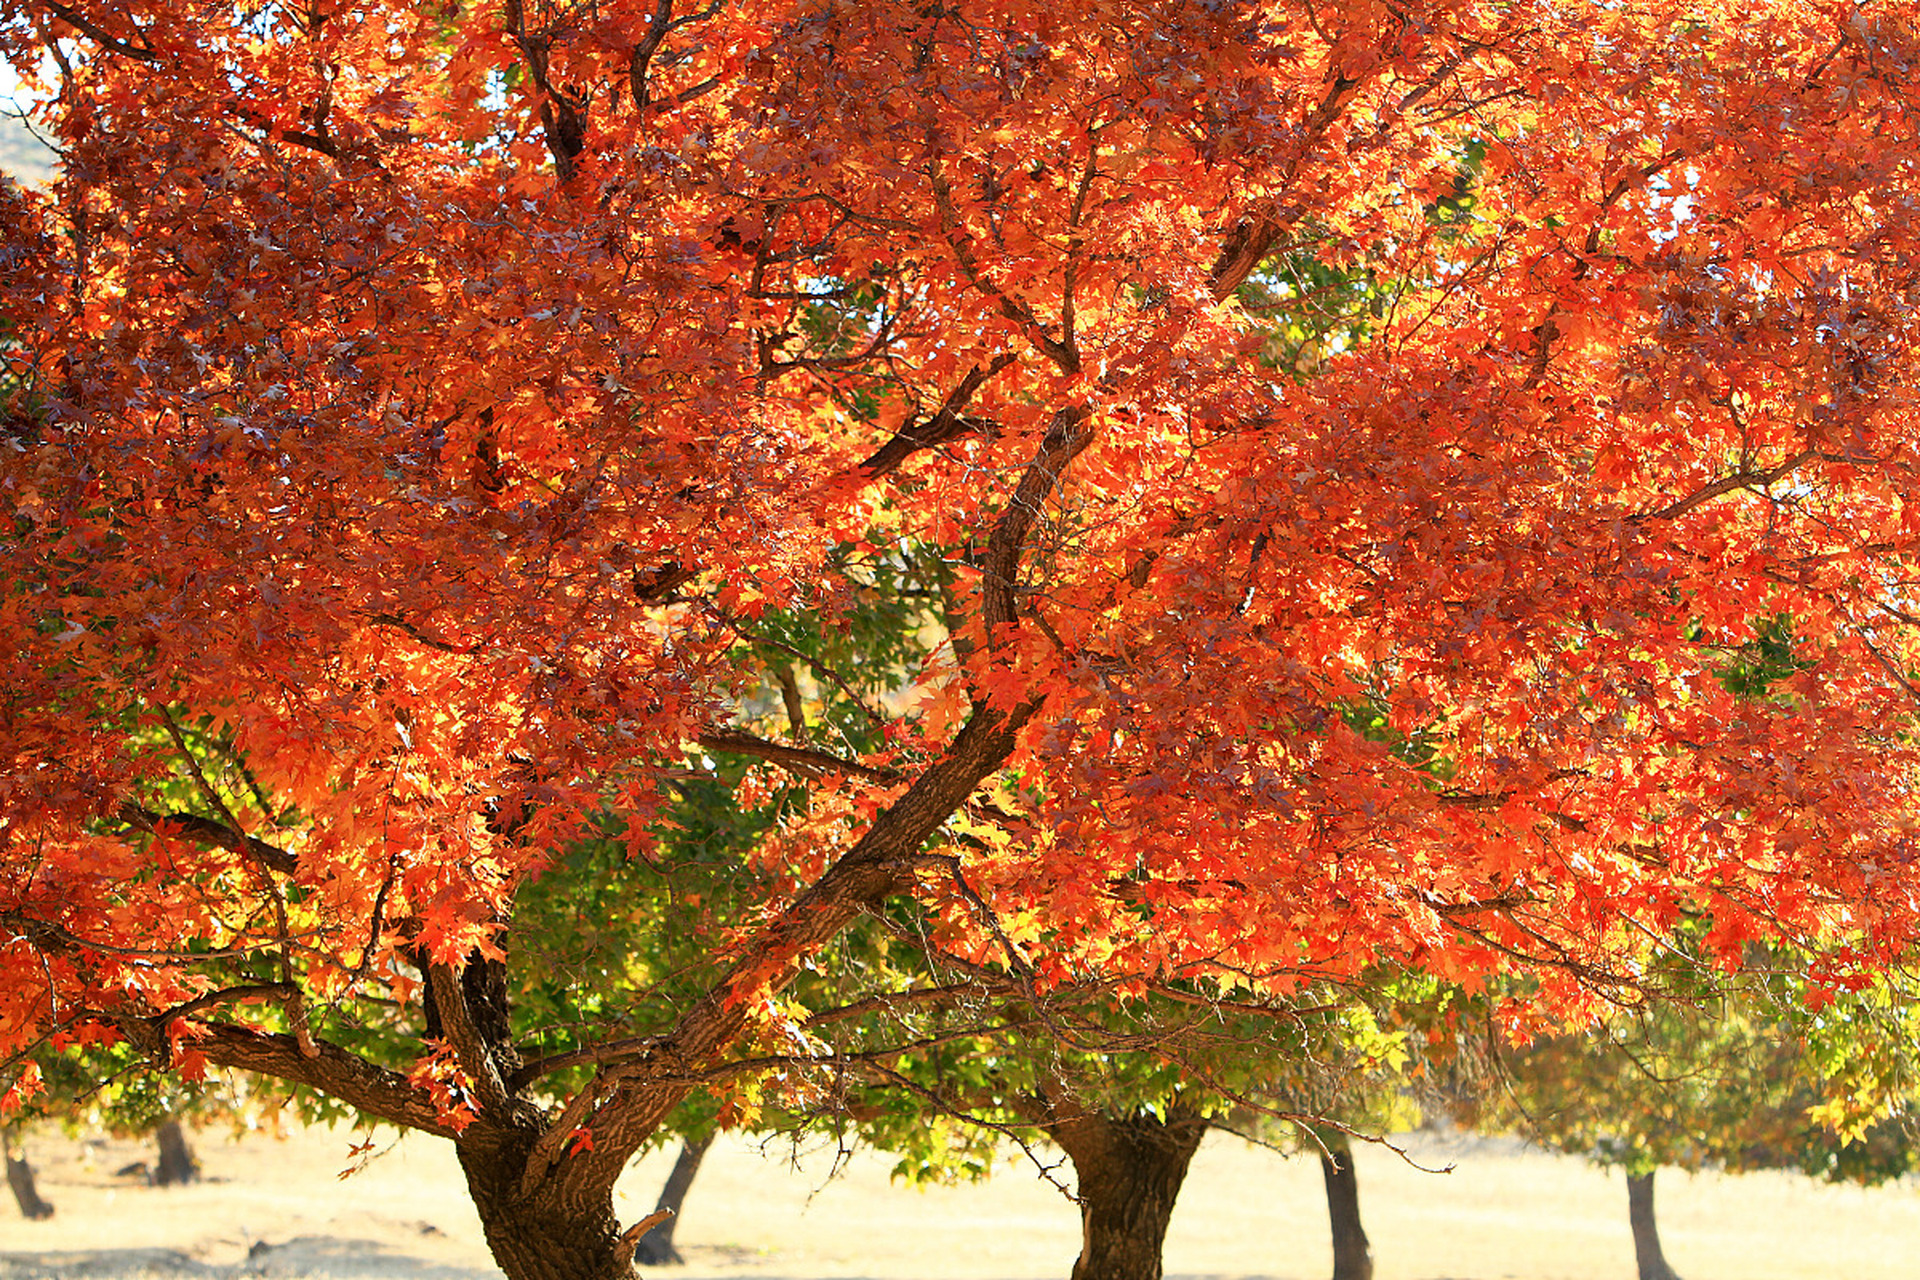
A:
(562, 1228)
(1129, 1171)
(176, 1165)
(1352, 1255)
(1646, 1236)
(656, 1247)
(20, 1179)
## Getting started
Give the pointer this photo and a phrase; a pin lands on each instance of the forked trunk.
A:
(176, 1165)
(1646, 1236)
(1352, 1255)
(1129, 1172)
(656, 1247)
(20, 1181)
(560, 1230)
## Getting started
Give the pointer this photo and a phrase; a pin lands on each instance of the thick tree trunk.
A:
(20, 1180)
(1352, 1254)
(656, 1247)
(1646, 1236)
(1129, 1171)
(175, 1165)
(560, 1229)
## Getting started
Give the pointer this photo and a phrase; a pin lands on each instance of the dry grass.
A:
(277, 1209)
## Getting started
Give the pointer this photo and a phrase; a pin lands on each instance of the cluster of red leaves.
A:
(404, 409)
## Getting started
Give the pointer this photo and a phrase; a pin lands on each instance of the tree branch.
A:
(644, 51)
(332, 1070)
(74, 18)
(1726, 484)
(470, 1048)
(1068, 434)
(206, 831)
(947, 423)
(819, 668)
(799, 759)
(1254, 237)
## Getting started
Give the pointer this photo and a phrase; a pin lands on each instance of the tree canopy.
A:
(1332, 456)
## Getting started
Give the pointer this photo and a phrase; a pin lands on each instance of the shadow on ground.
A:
(304, 1258)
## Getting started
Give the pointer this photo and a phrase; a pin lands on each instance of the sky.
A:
(9, 86)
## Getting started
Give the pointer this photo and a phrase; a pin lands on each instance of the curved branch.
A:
(1254, 237)
(206, 831)
(329, 1068)
(1069, 433)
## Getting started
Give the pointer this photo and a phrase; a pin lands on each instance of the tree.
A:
(408, 414)
(26, 1195)
(656, 1247)
(1769, 1073)
(1352, 1251)
(1128, 1089)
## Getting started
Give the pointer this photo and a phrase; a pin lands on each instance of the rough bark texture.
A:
(1646, 1236)
(1352, 1254)
(1129, 1171)
(176, 1165)
(656, 1247)
(20, 1180)
(560, 1229)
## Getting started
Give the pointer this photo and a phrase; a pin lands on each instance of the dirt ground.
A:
(278, 1209)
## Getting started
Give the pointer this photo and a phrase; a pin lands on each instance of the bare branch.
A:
(347, 1076)
(630, 1238)
(819, 668)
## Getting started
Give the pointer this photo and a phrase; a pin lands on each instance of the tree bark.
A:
(1646, 1236)
(560, 1228)
(1129, 1171)
(176, 1165)
(20, 1180)
(656, 1247)
(1352, 1254)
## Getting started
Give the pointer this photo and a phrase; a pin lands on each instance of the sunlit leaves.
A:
(1428, 485)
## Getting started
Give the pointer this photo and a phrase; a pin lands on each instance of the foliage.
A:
(430, 431)
(1770, 1071)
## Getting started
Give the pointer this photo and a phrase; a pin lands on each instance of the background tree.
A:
(1127, 1089)
(1771, 1074)
(20, 1181)
(407, 417)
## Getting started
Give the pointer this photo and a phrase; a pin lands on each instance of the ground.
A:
(279, 1209)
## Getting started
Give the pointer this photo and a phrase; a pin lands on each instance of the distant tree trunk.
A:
(20, 1179)
(656, 1247)
(1646, 1236)
(1129, 1171)
(1352, 1255)
(176, 1165)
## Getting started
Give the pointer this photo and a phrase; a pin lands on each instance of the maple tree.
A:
(409, 410)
